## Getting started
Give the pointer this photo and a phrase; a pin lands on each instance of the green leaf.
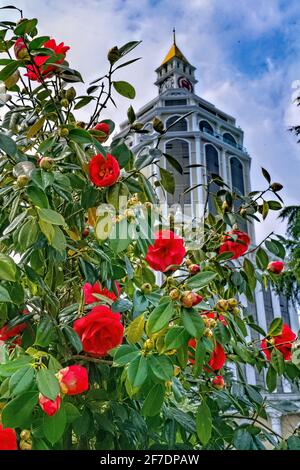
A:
(222, 333)
(275, 205)
(51, 216)
(143, 160)
(80, 136)
(275, 328)
(293, 443)
(173, 162)
(124, 89)
(25, 27)
(262, 259)
(83, 102)
(47, 384)
(119, 238)
(7, 71)
(137, 371)
(161, 367)
(28, 234)
(167, 180)
(153, 401)
(17, 412)
(44, 333)
(7, 369)
(8, 268)
(201, 279)
(125, 354)
(176, 337)
(160, 316)
(117, 194)
(73, 338)
(193, 322)
(72, 412)
(128, 47)
(54, 426)
(200, 354)
(277, 361)
(242, 439)
(203, 423)
(8, 145)
(131, 115)
(122, 154)
(135, 330)
(266, 175)
(271, 379)
(38, 197)
(15, 223)
(4, 295)
(36, 127)
(59, 240)
(21, 380)
(36, 43)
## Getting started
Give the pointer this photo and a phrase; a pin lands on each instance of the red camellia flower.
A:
(7, 332)
(89, 290)
(104, 171)
(167, 250)
(103, 127)
(217, 359)
(49, 407)
(238, 247)
(73, 380)
(99, 331)
(8, 439)
(218, 382)
(282, 342)
(275, 267)
(36, 71)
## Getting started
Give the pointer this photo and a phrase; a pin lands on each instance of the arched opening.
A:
(212, 168)
(204, 126)
(229, 139)
(179, 126)
(237, 176)
(179, 149)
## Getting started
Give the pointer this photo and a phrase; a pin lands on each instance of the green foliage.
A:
(154, 390)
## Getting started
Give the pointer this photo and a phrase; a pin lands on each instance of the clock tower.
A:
(175, 71)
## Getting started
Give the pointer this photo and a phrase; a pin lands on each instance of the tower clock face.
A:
(184, 82)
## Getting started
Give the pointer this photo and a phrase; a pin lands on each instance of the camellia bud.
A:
(146, 288)
(148, 344)
(46, 163)
(210, 322)
(25, 445)
(70, 93)
(218, 382)
(175, 294)
(222, 305)
(137, 126)
(73, 380)
(190, 299)
(113, 55)
(85, 232)
(232, 303)
(20, 50)
(188, 262)
(25, 435)
(225, 206)
(64, 103)
(243, 211)
(63, 132)
(50, 407)
(158, 125)
(104, 128)
(22, 181)
(236, 311)
(208, 333)
(194, 268)
(80, 124)
(275, 267)
(276, 187)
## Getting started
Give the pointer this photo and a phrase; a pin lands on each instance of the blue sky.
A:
(247, 54)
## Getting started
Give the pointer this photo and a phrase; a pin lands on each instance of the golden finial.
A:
(174, 36)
